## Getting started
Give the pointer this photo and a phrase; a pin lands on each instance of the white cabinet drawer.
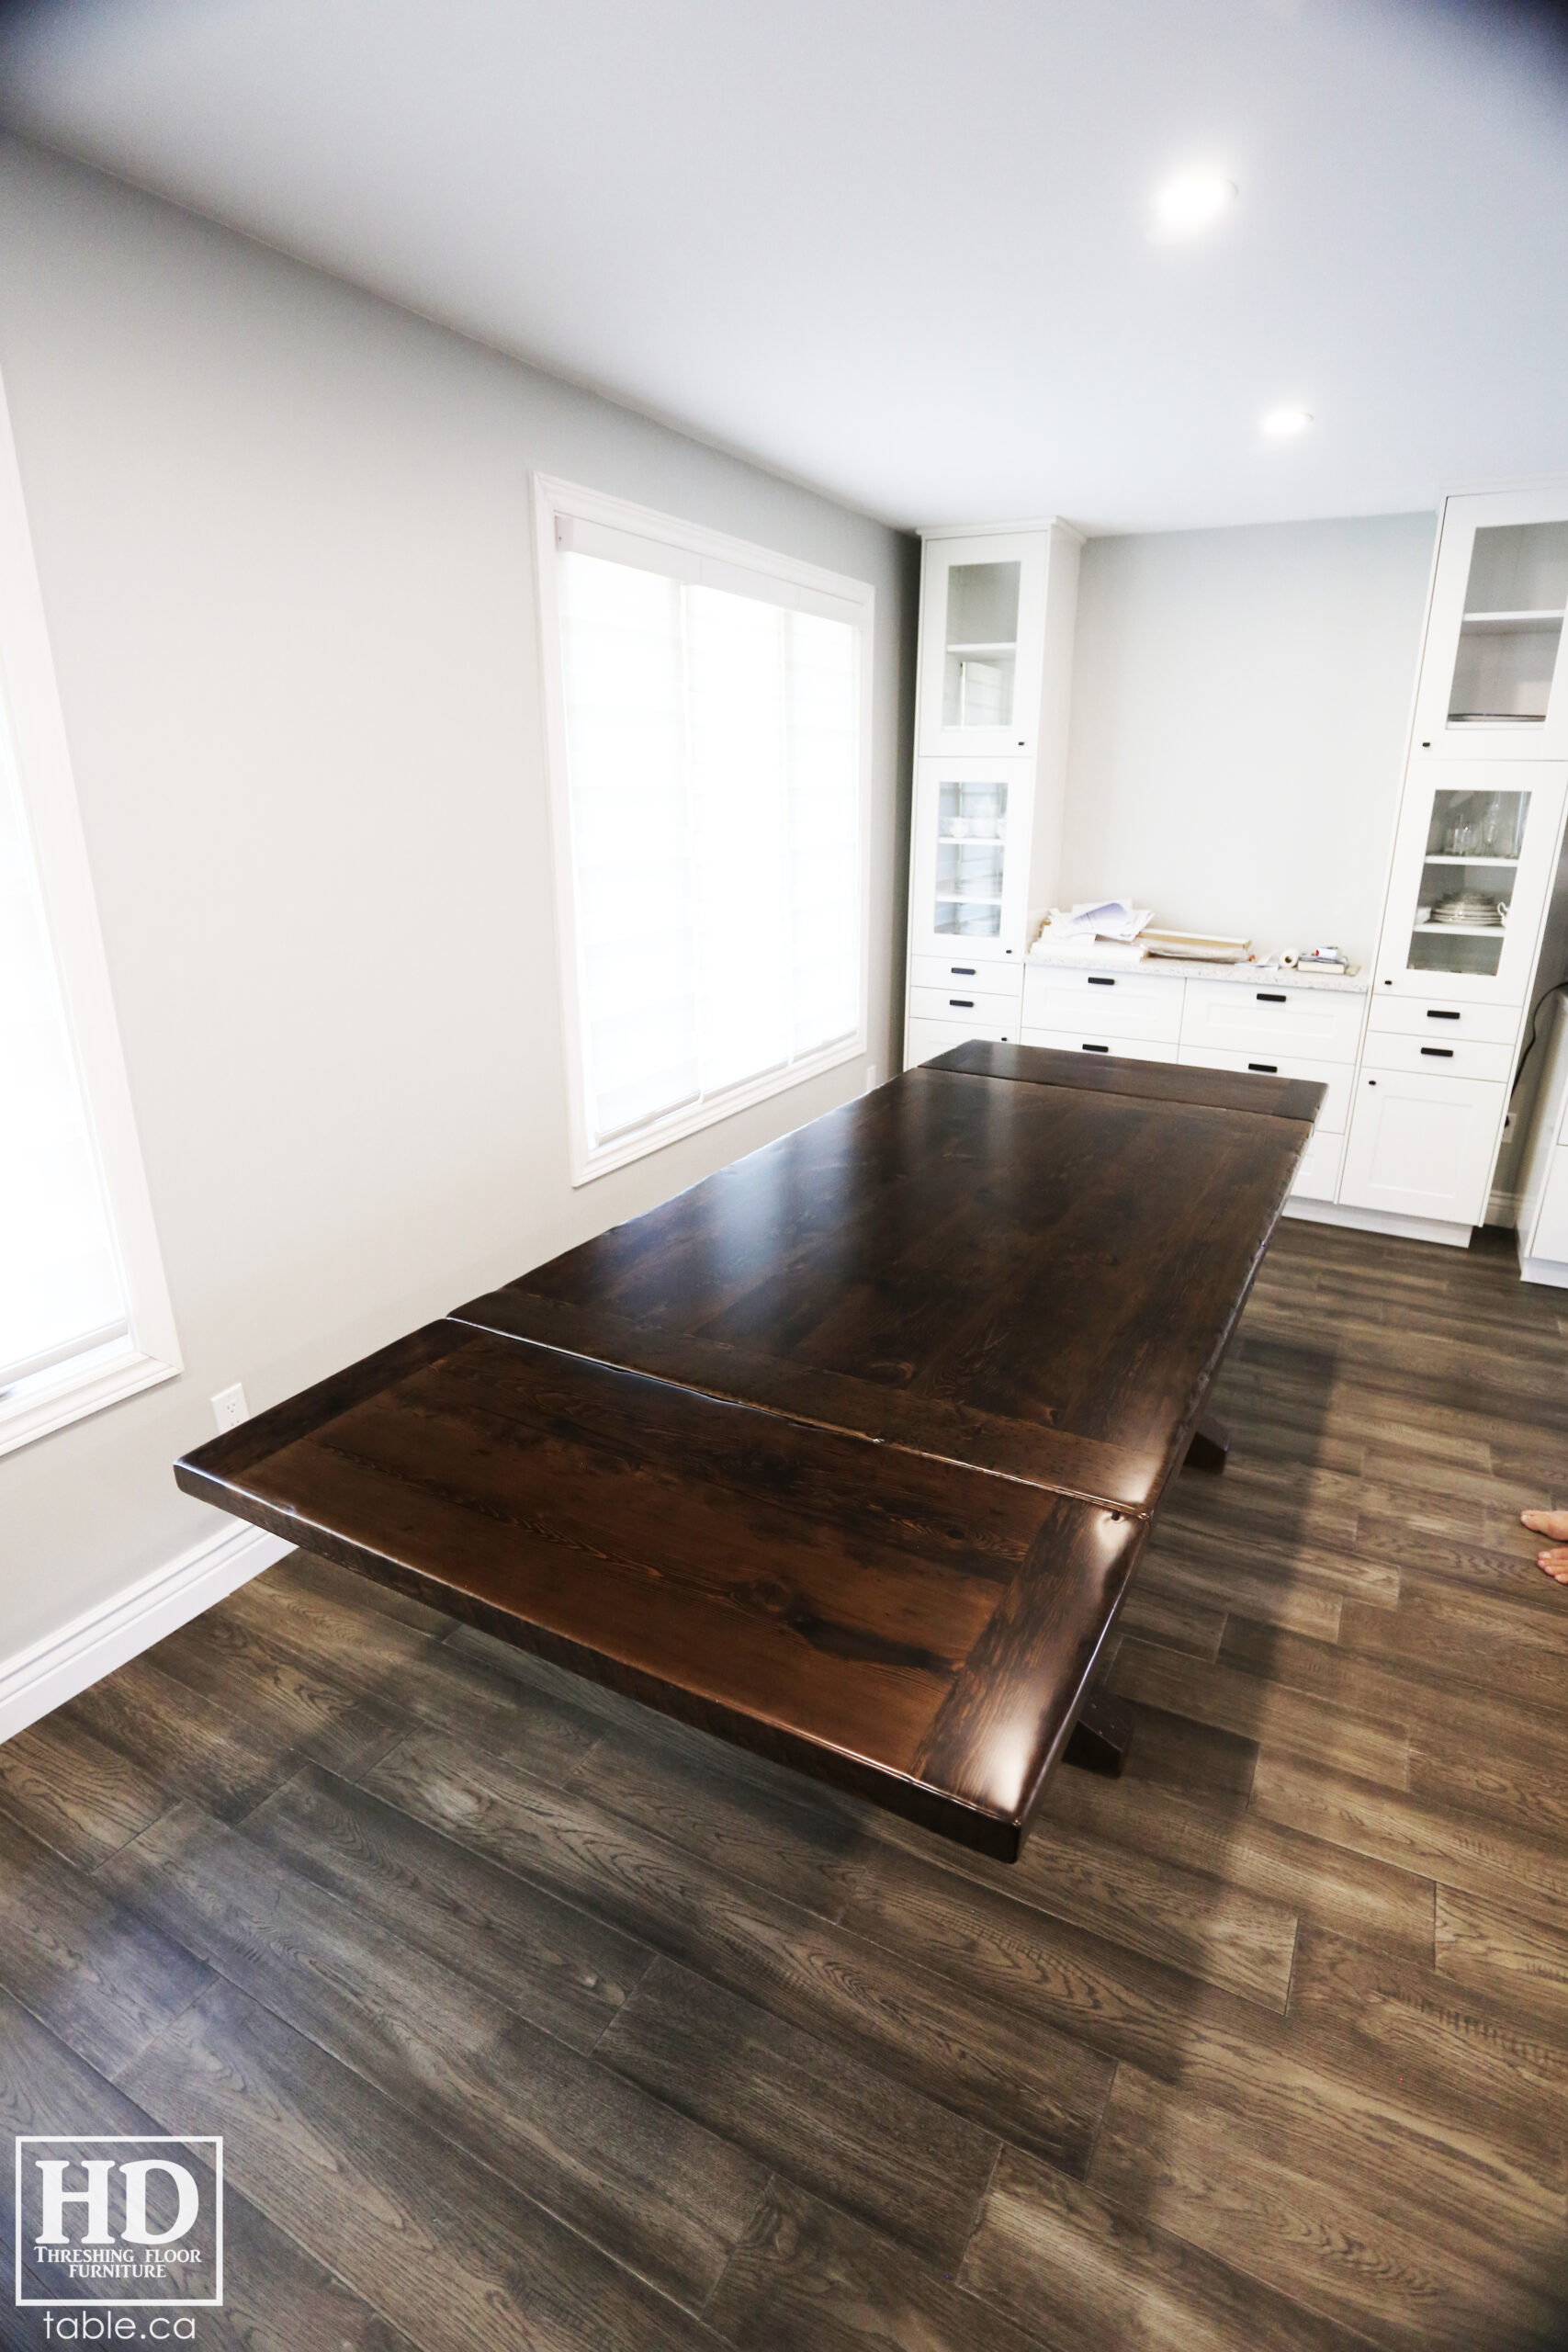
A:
(963, 1002)
(1119, 1004)
(1439, 1024)
(1422, 1147)
(1439, 1057)
(1335, 1076)
(965, 971)
(1263, 1019)
(1318, 1177)
(1086, 1039)
(923, 1040)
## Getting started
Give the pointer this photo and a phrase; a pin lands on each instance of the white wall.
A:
(1240, 704)
(283, 534)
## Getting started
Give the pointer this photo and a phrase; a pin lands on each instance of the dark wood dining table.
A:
(848, 1453)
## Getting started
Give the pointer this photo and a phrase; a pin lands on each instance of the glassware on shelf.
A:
(1473, 825)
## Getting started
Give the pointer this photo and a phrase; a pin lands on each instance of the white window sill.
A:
(708, 1113)
(54, 1400)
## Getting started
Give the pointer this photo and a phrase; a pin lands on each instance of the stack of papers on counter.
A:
(1082, 947)
(1198, 947)
(1105, 930)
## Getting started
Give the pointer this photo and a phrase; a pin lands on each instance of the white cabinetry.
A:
(996, 615)
(1265, 1017)
(1423, 1147)
(983, 606)
(1475, 851)
(1127, 1012)
(1158, 1014)
(1278, 1031)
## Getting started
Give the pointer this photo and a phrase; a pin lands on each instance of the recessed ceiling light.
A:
(1281, 424)
(1190, 202)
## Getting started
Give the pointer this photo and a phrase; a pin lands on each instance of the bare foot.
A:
(1555, 1564)
(1547, 1522)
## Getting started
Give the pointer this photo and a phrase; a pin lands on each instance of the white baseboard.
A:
(41, 1678)
(1544, 1270)
(1407, 1228)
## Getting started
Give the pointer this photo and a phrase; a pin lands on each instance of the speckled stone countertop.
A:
(1170, 967)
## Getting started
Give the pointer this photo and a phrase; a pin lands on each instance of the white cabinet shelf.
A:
(1507, 623)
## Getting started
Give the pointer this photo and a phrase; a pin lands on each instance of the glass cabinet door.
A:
(970, 856)
(980, 645)
(1511, 627)
(1490, 684)
(982, 623)
(1468, 878)
(1471, 870)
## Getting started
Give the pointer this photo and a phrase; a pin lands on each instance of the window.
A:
(709, 714)
(83, 1313)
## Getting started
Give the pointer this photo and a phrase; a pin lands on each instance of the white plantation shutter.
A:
(61, 1291)
(713, 737)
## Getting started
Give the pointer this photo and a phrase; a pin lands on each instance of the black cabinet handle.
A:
(1270, 996)
(962, 1003)
(1100, 980)
(1096, 1050)
(961, 971)
(1439, 1053)
(1433, 1013)
(1270, 1069)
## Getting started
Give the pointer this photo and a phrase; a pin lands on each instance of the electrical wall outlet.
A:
(229, 1409)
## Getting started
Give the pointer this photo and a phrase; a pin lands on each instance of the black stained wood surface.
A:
(846, 1455)
(532, 2017)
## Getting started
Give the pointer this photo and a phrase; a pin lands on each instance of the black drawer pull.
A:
(1096, 1050)
(1270, 996)
(1433, 1014)
(961, 971)
(962, 1003)
(1439, 1053)
(1270, 1069)
(1100, 980)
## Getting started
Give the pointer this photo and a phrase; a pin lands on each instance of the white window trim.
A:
(553, 498)
(151, 1352)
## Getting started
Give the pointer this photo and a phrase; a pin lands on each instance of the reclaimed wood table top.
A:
(848, 1453)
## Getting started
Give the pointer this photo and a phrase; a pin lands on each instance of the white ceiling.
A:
(899, 248)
